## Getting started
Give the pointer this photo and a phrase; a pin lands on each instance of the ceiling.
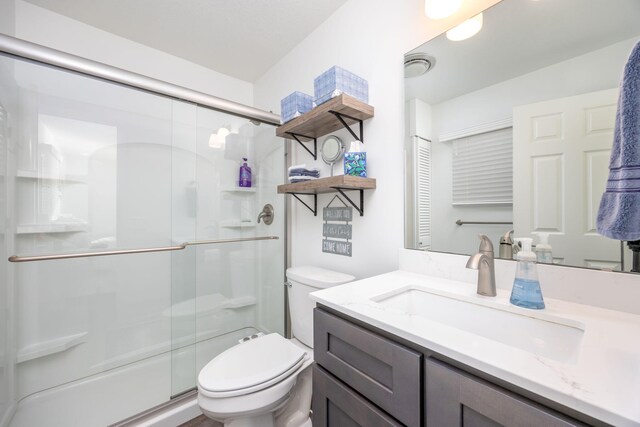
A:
(520, 36)
(240, 38)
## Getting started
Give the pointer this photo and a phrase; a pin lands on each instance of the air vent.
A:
(417, 64)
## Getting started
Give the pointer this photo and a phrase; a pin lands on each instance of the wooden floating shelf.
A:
(320, 121)
(334, 184)
(329, 185)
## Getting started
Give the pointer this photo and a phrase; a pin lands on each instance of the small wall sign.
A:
(337, 214)
(332, 231)
(337, 231)
(337, 247)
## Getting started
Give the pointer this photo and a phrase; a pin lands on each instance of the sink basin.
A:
(539, 333)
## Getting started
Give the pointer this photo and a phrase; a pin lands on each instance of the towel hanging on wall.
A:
(619, 213)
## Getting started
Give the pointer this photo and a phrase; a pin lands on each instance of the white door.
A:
(560, 158)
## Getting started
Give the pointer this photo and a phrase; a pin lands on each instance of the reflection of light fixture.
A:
(416, 64)
(439, 9)
(468, 28)
(218, 140)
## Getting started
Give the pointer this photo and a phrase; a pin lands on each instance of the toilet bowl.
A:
(266, 381)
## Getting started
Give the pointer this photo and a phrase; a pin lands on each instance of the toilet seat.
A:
(250, 367)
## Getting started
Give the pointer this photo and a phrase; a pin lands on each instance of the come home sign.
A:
(336, 230)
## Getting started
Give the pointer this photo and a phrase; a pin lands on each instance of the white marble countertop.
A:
(603, 381)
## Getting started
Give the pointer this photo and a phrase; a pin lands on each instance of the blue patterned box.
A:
(336, 81)
(295, 105)
(355, 163)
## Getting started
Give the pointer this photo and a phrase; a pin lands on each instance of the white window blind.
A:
(483, 169)
(423, 191)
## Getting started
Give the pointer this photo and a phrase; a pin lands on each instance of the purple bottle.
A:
(245, 174)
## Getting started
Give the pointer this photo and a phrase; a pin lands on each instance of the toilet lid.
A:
(251, 366)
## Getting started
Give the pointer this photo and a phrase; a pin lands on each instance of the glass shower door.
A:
(91, 172)
(89, 166)
(238, 286)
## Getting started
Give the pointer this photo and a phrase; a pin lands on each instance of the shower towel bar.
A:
(461, 222)
(16, 258)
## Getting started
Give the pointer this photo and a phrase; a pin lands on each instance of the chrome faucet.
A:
(483, 262)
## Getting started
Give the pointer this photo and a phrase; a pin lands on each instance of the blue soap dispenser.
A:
(526, 290)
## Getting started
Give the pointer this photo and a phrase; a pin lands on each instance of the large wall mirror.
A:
(511, 129)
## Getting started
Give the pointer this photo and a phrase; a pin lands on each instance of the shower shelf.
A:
(69, 179)
(47, 348)
(237, 224)
(52, 228)
(239, 189)
(337, 113)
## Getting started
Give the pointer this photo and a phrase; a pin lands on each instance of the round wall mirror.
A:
(331, 150)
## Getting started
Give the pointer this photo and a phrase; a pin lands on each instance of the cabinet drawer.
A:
(335, 405)
(456, 398)
(386, 373)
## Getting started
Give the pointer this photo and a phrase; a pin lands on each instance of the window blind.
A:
(423, 192)
(483, 169)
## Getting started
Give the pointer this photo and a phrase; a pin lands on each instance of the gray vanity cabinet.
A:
(455, 398)
(381, 370)
(335, 404)
(362, 378)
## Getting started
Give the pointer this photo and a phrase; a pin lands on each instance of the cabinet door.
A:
(454, 398)
(383, 371)
(336, 405)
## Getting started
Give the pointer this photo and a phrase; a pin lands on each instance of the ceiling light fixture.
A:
(218, 139)
(439, 9)
(468, 28)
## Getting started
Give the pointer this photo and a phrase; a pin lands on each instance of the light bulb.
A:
(223, 132)
(439, 9)
(468, 28)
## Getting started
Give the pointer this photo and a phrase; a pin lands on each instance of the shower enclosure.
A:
(180, 270)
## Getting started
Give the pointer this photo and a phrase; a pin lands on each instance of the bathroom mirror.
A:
(331, 150)
(512, 130)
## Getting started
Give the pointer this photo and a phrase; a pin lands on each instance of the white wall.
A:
(38, 25)
(368, 38)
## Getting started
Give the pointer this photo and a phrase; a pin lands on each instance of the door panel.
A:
(561, 156)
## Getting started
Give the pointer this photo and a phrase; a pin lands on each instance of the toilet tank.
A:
(304, 280)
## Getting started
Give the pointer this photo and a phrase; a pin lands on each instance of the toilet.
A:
(266, 381)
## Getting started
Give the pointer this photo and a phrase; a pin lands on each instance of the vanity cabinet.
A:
(362, 378)
(455, 398)
(335, 404)
(381, 370)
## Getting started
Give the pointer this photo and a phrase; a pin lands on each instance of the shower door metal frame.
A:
(48, 56)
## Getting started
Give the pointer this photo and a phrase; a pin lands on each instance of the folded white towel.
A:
(302, 166)
(300, 178)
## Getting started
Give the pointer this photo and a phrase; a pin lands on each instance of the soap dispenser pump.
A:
(526, 290)
(543, 249)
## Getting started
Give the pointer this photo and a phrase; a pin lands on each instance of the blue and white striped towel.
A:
(619, 214)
